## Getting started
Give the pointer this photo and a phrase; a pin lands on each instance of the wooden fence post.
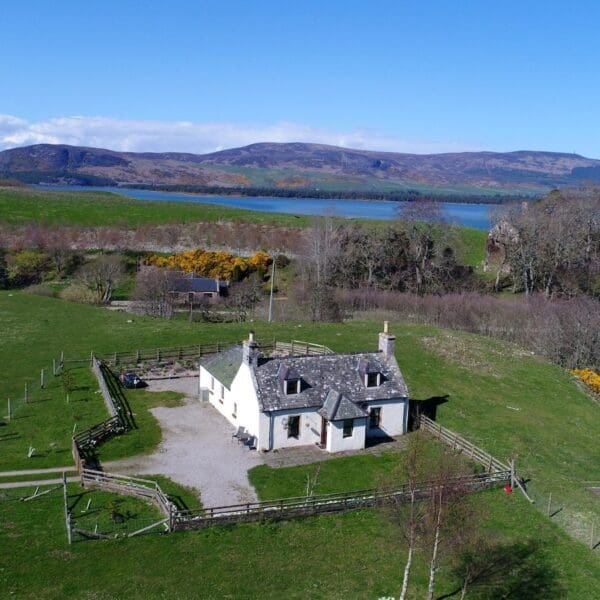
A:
(26, 392)
(549, 503)
(512, 474)
(42, 379)
(592, 537)
(67, 514)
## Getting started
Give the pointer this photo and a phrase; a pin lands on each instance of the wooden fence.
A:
(457, 442)
(181, 353)
(290, 508)
(111, 405)
(145, 489)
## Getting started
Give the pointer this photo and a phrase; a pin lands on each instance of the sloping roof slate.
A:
(322, 373)
(223, 366)
(337, 408)
(196, 284)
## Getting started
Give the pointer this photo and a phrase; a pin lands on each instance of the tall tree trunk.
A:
(436, 545)
(411, 543)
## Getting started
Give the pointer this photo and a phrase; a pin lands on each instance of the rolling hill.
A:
(304, 166)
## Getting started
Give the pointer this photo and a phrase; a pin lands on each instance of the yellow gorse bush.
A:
(589, 377)
(218, 264)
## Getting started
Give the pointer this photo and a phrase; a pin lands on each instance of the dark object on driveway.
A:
(130, 380)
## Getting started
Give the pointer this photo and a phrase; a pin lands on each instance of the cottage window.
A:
(292, 386)
(348, 427)
(375, 418)
(293, 427)
(234, 414)
(207, 294)
(372, 379)
(222, 394)
(212, 383)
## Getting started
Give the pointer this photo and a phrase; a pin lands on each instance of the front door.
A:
(323, 432)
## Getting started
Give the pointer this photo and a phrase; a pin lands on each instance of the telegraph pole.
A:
(271, 296)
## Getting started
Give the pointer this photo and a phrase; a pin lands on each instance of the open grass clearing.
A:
(517, 406)
(352, 555)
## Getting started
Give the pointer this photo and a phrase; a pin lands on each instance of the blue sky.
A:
(406, 76)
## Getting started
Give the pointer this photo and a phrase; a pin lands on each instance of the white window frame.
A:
(377, 380)
(289, 391)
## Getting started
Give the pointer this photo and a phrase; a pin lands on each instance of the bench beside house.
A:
(337, 401)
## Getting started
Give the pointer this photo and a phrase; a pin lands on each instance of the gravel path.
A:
(197, 449)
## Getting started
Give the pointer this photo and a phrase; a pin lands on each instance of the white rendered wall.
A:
(241, 393)
(336, 442)
(310, 428)
(394, 417)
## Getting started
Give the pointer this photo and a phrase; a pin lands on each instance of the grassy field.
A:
(93, 209)
(511, 403)
(353, 555)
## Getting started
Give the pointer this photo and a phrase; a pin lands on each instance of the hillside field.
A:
(20, 206)
(511, 403)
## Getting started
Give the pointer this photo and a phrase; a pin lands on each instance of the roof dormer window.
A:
(291, 386)
(372, 379)
(369, 373)
(289, 380)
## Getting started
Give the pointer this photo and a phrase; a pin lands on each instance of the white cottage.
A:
(336, 401)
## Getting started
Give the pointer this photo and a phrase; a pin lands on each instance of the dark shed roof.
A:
(197, 284)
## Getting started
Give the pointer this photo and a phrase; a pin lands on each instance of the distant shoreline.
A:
(408, 196)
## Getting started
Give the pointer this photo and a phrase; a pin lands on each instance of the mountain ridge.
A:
(298, 165)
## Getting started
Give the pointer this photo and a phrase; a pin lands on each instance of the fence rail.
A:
(457, 442)
(288, 508)
(106, 395)
(129, 486)
(190, 352)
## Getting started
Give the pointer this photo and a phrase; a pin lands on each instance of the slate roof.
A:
(321, 373)
(337, 408)
(199, 284)
(223, 366)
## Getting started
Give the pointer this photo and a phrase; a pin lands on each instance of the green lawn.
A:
(506, 400)
(511, 403)
(353, 555)
(93, 209)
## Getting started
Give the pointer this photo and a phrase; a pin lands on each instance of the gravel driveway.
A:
(197, 449)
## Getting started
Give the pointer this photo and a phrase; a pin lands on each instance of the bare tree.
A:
(421, 222)
(153, 293)
(410, 517)
(102, 275)
(444, 514)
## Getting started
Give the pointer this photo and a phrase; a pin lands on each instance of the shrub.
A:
(79, 293)
(27, 266)
(41, 290)
(589, 377)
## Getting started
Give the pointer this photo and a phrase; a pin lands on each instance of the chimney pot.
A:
(386, 326)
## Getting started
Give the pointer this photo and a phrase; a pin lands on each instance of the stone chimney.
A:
(250, 350)
(387, 342)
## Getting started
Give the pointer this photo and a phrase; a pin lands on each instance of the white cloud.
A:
(196, 137)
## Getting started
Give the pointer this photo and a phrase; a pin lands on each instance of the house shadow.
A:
(427, 407)
(370, 442)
